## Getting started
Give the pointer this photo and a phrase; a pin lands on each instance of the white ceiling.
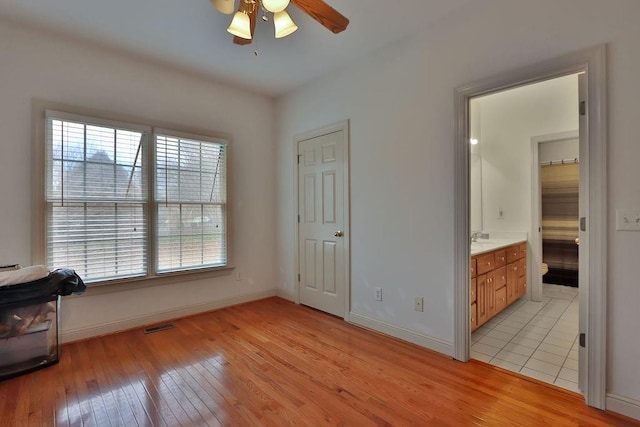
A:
(191, 35)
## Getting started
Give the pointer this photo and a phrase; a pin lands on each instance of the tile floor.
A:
(537, 339)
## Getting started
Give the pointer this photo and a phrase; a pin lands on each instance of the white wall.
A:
(400, 102)
(566, 149)
(40, 65)
(508, 121)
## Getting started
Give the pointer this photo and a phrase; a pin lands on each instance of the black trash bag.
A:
(63, 281)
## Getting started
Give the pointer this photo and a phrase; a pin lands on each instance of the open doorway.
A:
(534, 335)
(593, 213)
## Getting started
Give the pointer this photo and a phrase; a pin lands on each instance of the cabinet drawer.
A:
(486, 263)
(513, 253)
(500, 257)
(474, 316)
(474, 267)
(474, 290)
(501, 298)
(522, 250)
(499, 277)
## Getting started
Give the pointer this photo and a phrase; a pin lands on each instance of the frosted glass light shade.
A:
(284, 24)
(240, 26)
(275, 6)
(224, 6)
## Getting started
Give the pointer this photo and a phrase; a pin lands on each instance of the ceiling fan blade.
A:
(324, 14)
(224, 6)
(253, 15)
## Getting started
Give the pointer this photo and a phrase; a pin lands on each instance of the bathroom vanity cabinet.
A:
(498, 278)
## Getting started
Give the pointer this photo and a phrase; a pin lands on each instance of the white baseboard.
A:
(285, 294)
(426, 341)
(623, 406)
(147, 319)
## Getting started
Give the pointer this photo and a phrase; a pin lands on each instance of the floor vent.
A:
(159, 328)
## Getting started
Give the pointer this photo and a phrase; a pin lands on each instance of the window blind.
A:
(96, 195)
(190, 194)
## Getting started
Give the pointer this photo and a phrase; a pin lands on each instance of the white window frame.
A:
(39, 211)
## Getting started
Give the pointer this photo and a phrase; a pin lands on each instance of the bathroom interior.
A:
(524, 182)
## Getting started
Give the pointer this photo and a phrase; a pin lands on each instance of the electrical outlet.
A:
(627, 220)
(418, 304)
(378, 294)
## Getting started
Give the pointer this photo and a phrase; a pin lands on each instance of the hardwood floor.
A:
(274, 363)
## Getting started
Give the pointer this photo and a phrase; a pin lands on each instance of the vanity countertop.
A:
(488, 245)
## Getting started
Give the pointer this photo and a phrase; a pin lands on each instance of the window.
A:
(108, 220)
(190, 192)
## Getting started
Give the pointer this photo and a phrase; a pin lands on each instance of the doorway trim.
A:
(535, 238)
(335, 127)
(593, 63)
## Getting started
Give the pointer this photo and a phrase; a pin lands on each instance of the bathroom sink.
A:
(485, 245)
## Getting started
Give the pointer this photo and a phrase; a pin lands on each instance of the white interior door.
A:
(322, 233)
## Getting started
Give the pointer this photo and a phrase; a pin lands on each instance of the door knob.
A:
(338, 234)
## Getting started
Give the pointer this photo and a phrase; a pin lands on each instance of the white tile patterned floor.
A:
(537, 339)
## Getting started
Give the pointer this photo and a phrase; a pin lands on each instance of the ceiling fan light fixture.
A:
(283, 24)
(240, 25)
(275, 6)
(224, 6)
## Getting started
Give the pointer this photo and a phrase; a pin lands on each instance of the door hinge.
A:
(298, 219)
(299, 155)
(583, 340)
(583, 108)
(583, 224)
(298, 277)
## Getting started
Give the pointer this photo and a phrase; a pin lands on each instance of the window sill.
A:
(121, 285)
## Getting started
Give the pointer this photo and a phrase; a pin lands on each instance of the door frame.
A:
(325, 130)
(535, 239)
(593, 63)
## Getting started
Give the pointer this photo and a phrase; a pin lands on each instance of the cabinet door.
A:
(481, 299)
(522, 277)
(522, 286)
(490, 295)
(501, 299)
(473, 290)
(512, 282)
(474, 316)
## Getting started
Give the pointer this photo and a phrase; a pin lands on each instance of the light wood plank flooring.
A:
(274, 363)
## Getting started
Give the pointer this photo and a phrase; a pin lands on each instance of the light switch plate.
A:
(627, 220)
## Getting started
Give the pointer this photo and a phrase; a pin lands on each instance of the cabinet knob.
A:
(503, 299)
(515, 268)
(524, 285)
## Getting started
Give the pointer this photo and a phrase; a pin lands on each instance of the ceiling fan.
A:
(244, 20)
